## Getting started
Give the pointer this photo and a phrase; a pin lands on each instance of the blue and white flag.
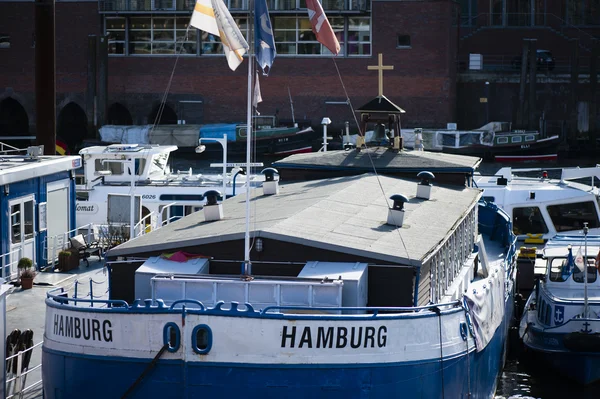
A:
(264, 42)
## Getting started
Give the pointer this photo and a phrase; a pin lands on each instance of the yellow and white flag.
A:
(212, 16)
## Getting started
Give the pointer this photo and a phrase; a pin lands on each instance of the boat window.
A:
(542, 311)
(181, 197)
(171, 336)
(140, 165)
(567, 217)
(516, 139)
(528, 220)
(159, 163)
(548, 314)
(539, 309)
(530, 137)
(502, 140)
(487, 198)
(201, 339)
(115, 168)
(559, 270)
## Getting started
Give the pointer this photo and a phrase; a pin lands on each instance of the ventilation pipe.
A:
(396, 212)
(424, 187)
(213, 210)
(271, 184)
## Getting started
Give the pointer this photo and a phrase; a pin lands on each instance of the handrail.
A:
(376, 310)
(12, 271)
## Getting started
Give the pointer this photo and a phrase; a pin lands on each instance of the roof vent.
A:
(396, 212)
(271, 184)
(424, 187)
(213, 210)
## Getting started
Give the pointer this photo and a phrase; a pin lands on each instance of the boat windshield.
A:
(566, 217)
(159, 163)
(528, 219)
(560, 270)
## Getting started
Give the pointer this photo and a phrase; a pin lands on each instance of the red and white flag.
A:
(321, 27)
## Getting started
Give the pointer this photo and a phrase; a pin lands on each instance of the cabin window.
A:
(567, 217)
(530, 137)
(516, 139)
(171, 337)
(15, 223)
(578, 275)
(115, 168)
(28, 220)
(559, 270)
(140, 165)
(159, 163)
(502, 140)
(488, 198)
(528, 220)
(541, 310)
(201, 339)
(547, 318)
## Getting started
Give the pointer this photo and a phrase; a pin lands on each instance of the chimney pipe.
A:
(424, 187)
(396, 212)
(271, 184)
(213, 210)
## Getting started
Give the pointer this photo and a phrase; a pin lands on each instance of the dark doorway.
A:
(71, 127)
(167, 117)
(13, 122)
(118, 115)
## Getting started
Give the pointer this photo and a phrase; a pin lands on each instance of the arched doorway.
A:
(71, 127)
(118, 114)
(14, 122)
(167, 117)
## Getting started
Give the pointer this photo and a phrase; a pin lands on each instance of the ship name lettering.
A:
(82, 327)
(334, 337)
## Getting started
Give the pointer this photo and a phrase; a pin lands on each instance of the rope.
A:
(368, 153)
(146, 371)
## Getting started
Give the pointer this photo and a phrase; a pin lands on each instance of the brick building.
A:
(427, 41)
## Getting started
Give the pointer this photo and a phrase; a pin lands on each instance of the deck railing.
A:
(16, 382)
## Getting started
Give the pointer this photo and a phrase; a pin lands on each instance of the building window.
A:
(468, 12)
(143, 36)
(403, 41)
(4, 40)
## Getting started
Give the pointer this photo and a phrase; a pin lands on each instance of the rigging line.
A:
(369, 154)
(166, 93)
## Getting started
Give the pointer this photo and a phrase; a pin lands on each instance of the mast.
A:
(247, 265)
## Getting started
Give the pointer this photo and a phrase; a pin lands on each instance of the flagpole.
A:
(247, 263)
(585, 271)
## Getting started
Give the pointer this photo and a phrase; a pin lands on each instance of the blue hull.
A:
(581, 367)
(67, 375)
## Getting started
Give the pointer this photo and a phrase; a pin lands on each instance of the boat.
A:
(495, 141)
(336, 301)
(561, 323)
(269, 137)
(543, 202)
(105, 188)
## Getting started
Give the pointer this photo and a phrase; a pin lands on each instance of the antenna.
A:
(586, 309)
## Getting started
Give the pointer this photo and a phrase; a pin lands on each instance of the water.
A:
(521, 378)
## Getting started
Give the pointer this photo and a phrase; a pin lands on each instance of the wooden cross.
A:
(380, 68)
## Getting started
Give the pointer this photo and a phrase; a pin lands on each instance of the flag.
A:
(579, 260)
(321, 27)
(264, 43)
(569, 266)
(212, 16)
(257, 98)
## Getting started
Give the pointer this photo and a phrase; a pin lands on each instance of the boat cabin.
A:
(544, 206)
(37, 202)
(345, 224)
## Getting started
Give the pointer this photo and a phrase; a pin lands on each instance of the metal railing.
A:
(7, 261)
(16, 383)
(512, 64)
(54, 244)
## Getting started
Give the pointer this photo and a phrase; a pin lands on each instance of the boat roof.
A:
(557, 246)
(15, 168)
(338, 214)
(136, 150)
(382, 159)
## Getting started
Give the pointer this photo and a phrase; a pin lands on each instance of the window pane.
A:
(139, 36)
(164, 35)
(163, 23)
(28, 219)
(163, 48)
(137, 23)
(15, 223)
(528, 220)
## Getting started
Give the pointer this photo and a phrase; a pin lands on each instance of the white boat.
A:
(541, 206)
(561, 323)
(103, 197)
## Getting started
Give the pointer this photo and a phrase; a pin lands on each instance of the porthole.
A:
(201, 339)
(171, 337)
